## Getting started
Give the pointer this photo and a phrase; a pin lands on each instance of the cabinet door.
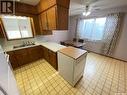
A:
(13, 60)
(22, 56)
(44, 22)
(51, 3)
(32, 51)
(53, 59)
(40, 52)
(45, 54)
(1, 31)
(35, 53)
(64, 3)
(62, 18)
(51, 17)
(45, 4)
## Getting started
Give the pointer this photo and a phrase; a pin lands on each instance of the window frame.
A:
(32, 29)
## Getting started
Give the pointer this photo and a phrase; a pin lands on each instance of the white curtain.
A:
(111, 33)
(91, 29)
(104, 31)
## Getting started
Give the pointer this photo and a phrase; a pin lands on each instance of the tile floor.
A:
(102, 76)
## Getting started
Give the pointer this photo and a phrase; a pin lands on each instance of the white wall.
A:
(57, 36)
(120, 51)
(72, 27)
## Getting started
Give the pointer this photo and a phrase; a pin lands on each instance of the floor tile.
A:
(102, 76)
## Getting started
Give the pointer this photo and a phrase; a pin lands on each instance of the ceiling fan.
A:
(87, 6)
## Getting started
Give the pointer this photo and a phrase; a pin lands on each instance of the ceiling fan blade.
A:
(87, 2)
(82, 8)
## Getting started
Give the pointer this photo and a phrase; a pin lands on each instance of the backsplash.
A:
(56, 37)
(4, 42)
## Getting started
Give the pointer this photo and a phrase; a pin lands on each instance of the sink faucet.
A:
(24, 43)
(28, 43)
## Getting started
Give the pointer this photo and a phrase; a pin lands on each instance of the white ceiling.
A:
(31, 2)
(77, 6)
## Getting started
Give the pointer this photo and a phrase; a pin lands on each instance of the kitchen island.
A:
(71, 64)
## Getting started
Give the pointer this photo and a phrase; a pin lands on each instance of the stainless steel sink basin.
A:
(24, 45)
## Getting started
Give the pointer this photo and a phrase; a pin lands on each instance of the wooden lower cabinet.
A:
(53, 59)
(50, 57)
(1, 31)
(46, 55)
(35, 53)
(21, 56)
(13, 60)
(24, 56)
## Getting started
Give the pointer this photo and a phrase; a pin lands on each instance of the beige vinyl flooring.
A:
(102, 76)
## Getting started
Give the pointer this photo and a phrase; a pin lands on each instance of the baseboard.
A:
(106, 56)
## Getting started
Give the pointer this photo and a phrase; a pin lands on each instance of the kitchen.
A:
(43, 52)
(24, 49)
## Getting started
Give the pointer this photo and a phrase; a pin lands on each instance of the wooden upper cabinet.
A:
(45, 4)
(51, 3)
(62, 18)
(51, 18)
(25, 8)
(44, 21)
(63, 3)
(48, 19)
(55, 18)
(53, 15)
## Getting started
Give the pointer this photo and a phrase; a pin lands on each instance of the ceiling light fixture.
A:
(87, 11)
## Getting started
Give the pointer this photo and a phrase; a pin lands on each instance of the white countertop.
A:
(50, 45)
(73, 52)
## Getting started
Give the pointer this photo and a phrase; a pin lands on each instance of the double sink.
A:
(24, 44)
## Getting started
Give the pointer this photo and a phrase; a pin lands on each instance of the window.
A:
(91, 29)
(17, 27)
